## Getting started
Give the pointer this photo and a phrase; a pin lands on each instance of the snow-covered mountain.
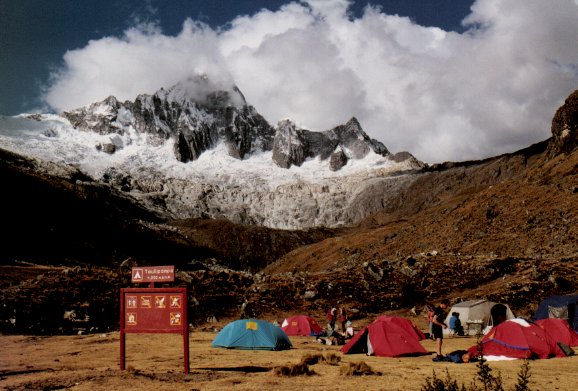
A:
(196, 151)
(191, 114)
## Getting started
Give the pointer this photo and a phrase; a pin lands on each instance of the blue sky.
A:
(444, 79)
(35, 34)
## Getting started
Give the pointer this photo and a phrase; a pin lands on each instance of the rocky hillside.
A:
(73, 220)
(503, 228)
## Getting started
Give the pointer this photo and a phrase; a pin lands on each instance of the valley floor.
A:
(91, 362)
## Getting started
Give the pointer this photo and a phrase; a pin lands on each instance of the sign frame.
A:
(152, 327)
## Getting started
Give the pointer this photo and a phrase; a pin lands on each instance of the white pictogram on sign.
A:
(175, 318)
(160, 302)
(137, 274)
(145, 302)
(131, 319)
(131, 302)
(175, 301)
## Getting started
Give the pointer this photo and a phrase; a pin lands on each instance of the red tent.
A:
(516, 338)
(404, 323)
(559, 330)
(385, 339)
(301, 325)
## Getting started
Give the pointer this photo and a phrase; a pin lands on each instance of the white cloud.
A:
(440, 95)
(143, 61)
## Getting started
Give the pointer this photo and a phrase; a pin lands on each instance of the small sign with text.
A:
(153, 274)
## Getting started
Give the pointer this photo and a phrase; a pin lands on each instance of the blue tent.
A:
(252, 334)
(567, 303)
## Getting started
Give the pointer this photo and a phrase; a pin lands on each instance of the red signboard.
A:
(153, 310)
(153, 274)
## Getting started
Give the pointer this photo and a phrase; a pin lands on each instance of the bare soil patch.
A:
(154, 361)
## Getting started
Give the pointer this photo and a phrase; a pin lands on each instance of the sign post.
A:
(153, 310)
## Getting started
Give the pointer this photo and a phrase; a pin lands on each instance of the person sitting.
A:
(337, 339)
(324, 341)
(349, 330)
(334, 339)
(456, 324)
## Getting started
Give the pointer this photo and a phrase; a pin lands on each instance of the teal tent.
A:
(251, 334)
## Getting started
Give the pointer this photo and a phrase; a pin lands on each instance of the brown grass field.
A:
(155, 362)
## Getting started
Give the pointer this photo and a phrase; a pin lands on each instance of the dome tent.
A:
(301, 325)
(251, 334)
(517, 339)
(405, 323)
(563, 307)
(385, 339)
(477, 313)
(559, 330)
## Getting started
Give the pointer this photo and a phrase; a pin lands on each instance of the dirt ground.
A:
(155, 361)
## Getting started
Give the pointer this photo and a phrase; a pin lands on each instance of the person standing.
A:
(331, 318)
(438, 326)
(342, 318)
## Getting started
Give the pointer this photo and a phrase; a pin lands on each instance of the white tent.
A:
(476, 315)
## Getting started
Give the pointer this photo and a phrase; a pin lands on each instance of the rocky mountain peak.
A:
(200, 90)
(354, 139)
(197, 114)
(100, 117)
(292, 145)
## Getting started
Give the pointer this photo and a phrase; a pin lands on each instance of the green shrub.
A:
(436, 384)
(523, 377)
(489, 381)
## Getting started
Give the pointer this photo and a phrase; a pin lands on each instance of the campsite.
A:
(155, 361)
(493, 237)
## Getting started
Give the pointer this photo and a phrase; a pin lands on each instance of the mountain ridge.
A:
(197, 116)
(504, 229)
(213, 157)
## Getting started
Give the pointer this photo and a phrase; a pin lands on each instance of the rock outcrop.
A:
(338, 159)
(565, 127)
(290, 145)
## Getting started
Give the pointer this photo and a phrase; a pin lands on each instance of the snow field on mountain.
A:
(53, 139)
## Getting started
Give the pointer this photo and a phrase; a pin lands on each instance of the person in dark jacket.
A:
(457, 356)
(438, 325)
